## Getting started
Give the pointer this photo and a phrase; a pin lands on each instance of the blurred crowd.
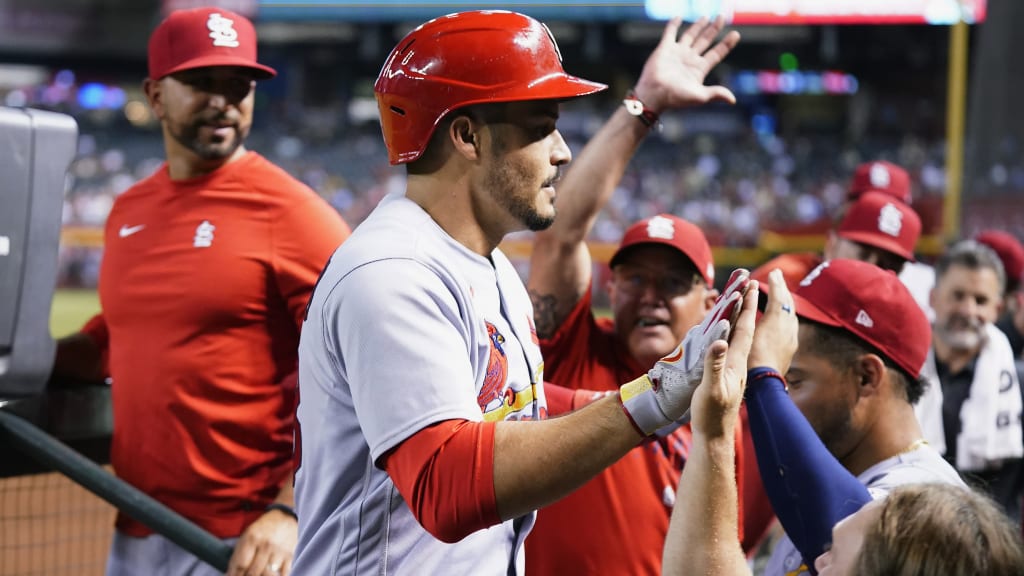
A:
(734, 183)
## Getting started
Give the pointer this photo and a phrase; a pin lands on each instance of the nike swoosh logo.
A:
(126, 231)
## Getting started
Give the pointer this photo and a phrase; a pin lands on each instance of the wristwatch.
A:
(635, 106)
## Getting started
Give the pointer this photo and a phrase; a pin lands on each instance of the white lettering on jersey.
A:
(204, 235)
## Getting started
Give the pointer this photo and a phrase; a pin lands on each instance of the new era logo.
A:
(864, 320)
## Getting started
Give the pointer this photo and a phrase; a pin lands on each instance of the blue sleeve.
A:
(809, 489)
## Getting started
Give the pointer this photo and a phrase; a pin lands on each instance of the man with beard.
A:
(839, 428)
(207, 269)
(972, 409)
(422, 434)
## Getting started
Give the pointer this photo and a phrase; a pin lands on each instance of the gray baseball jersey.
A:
(920, 466)
(406, 328)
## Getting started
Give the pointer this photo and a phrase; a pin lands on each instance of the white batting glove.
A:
(662, 396)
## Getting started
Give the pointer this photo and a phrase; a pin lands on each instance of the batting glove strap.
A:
(641, 406)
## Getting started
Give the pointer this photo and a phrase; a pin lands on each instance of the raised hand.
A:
(673, 76)
(716, 401)
(777, 333)
(663, 395)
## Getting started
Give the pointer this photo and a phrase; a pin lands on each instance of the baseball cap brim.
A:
(563, 86)
(811, 311)
(688, 254)
(552, 87)
(260, 71)
(875, 240)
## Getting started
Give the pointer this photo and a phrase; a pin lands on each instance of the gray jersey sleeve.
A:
(402, 350)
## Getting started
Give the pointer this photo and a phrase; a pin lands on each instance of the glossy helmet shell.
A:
(464, 59)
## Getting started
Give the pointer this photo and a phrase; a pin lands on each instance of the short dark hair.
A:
(972, 255)
(883, 258)
(843, 349)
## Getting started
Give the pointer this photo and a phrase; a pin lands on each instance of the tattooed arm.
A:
(672, 78)
(560, 266)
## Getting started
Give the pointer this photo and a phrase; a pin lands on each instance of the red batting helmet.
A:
(463, 59)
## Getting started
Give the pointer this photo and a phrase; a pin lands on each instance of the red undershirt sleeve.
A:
(445, 473)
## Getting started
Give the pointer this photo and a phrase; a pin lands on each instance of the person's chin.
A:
(962, 339)
(218, 150)
(651, 342)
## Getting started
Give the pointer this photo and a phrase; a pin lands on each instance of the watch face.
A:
(633, 106)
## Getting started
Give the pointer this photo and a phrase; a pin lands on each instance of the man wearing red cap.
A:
(972, 409)
(207, 268)
(875, 227)
(422, 429)
(662, 285)
(839, 428)
(1011, 252)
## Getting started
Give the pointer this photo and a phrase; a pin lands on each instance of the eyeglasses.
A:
(634, 280)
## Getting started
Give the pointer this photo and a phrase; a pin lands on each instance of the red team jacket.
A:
(203, 287)
(617, 522)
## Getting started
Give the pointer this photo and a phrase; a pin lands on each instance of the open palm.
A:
(674, 74)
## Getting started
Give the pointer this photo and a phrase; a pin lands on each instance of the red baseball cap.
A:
(675, 232)
(881, 176)
(1009, 250)
(881, 221)
(203, 37)
(872, 304)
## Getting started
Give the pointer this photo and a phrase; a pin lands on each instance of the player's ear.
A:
(871, 374)
(830, 245)
(153, 90)
(710, 294)
(464, 134)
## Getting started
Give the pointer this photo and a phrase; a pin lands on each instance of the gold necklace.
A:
(913, 446)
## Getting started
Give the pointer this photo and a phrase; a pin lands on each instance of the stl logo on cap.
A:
(813, 274)
(222, 30)
(879, 176)
(661, 227)
(890, 220)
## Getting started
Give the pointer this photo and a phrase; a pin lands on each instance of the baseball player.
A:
(1011, 253)
(840, 428)
(662, 285)
(878, 178)
(422, 442)
(876, 227)
(207, 268)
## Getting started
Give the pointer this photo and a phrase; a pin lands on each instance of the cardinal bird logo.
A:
(496, 376)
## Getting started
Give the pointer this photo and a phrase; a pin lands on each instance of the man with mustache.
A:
(422, 428)
(971, 412)
(207, 268)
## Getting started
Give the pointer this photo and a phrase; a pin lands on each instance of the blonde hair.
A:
(940, 530)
